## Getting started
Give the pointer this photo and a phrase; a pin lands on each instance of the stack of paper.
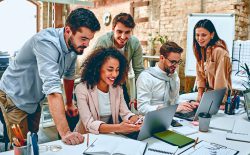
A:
(222, 123)
(240, 131)
(207, 148)
(185, 130)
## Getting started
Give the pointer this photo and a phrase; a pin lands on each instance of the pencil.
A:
(20, 131)
(196, 142)
(16, 142)
(87, 140)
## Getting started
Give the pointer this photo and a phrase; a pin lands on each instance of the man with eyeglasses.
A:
(159, 86)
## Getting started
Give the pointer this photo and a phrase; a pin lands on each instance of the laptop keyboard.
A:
(186, 115)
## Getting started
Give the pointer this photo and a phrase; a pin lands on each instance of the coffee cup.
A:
(204, 121)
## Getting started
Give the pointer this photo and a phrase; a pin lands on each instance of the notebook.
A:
(213, 98)
(110, 145)
(185, 130)
(222, 123)
(173, 138)
(160, 147)
(207, 148)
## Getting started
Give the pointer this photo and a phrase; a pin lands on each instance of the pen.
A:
(87, 140)
(139, 120)
(160, 151)
(196, 142)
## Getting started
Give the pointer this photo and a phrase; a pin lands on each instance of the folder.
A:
(174, 138)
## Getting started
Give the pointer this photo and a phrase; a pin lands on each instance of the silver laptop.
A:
(156, 121)
(246, 95)
(213, 98)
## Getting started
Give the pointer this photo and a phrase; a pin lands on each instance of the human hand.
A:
(135, 118)
(128, 127)
(72, 138)
(187, 107)
(71, 110)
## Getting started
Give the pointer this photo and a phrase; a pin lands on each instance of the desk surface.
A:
(213, 135)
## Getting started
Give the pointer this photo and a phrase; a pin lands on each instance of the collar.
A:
(62, 41)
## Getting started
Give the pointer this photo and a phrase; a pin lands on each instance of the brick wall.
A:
(169, 17)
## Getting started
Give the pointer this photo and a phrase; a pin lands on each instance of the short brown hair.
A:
(125, 19)
(168, 47)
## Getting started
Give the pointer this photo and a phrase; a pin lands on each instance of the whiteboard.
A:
(224, 25)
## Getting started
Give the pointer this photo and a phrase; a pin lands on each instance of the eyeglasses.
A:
(173, 62)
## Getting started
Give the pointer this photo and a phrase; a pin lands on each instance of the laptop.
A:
(155, 121)
(213, 98)
(246, 95)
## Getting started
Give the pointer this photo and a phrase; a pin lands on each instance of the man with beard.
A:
(159, 86)
(122, 39)
(37, 70)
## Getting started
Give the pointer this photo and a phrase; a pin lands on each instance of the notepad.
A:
(110, 145)
(241, 127)
(222, 123)
(238, 137)
(174, 138)
(204, 148)
(185, 130)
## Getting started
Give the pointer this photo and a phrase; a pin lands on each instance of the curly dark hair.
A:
(82, 18)
(125, 19)
(92, 66)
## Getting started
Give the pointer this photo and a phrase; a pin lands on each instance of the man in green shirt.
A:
(121, 38)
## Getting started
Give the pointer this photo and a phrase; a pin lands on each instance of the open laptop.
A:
(246, 95)
(155, 121)
(213, 98)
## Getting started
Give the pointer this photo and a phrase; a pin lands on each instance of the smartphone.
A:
(174, 123)
(139, 121)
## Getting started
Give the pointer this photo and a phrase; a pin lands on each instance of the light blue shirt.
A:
(37, 69)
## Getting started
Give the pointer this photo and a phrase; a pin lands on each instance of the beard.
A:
(73, 48)
(169, 71)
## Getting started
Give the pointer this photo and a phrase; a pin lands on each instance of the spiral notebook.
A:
(160, 147)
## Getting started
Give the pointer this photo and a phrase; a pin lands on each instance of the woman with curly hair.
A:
(100, 97)
(213, 65)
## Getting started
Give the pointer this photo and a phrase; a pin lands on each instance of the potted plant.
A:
(156, 42)
(247, 83)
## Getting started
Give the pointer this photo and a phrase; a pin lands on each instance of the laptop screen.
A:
(247, 103)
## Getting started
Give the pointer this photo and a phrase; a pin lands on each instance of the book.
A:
(110, 145)
(207, 148)
(174, 138)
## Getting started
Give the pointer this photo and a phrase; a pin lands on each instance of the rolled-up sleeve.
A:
(144, 94)
(47, 56)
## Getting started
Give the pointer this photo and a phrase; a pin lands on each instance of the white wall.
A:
(18, 23)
